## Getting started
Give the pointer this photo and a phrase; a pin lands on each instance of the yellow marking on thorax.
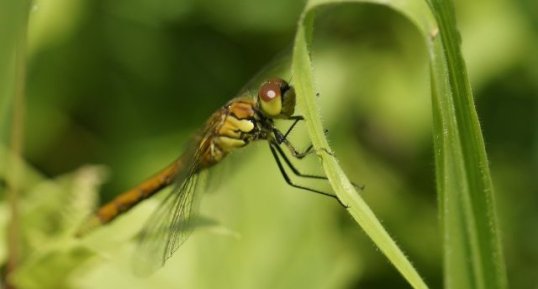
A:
(234, 122)
(228, 144)
(243, 108)
(232, 127)
(244, 125)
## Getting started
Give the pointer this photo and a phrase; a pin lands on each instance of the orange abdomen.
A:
(132, 197)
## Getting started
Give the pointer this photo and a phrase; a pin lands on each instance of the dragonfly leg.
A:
(296, 119)
(294, 152)
(292, 167)
(281, 139)
(299, 173)
(288, 180)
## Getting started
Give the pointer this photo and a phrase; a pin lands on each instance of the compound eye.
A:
(270, 90)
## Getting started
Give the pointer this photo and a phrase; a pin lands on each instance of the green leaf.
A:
(473, 257)
(52, 211)
(301, 70)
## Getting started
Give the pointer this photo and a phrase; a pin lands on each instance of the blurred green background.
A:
(124, 83)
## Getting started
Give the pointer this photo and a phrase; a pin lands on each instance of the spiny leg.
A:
(299, 156)
(291, 166)
(282, 139)
(298, 173)
(296, 119)
(288, 180)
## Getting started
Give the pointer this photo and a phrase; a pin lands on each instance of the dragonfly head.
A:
(276, 98)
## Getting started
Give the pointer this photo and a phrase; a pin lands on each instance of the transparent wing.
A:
(278, 66)
(171, 223)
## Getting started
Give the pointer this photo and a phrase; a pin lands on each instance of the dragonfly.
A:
(239, 122)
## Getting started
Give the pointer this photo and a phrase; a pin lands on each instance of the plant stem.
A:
(15, 173)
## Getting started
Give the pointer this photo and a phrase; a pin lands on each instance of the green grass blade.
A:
(301, 69)
(472, 254)
(473, 257)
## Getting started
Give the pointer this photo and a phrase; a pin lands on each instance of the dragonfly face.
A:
(241, 121)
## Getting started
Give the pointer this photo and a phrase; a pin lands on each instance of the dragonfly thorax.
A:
(246, 119)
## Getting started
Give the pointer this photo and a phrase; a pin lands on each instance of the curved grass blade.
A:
(363, 215)
(473, 257)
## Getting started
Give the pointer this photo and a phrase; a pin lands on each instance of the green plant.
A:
(464, 185)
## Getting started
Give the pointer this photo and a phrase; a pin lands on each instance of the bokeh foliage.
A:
(124, 83)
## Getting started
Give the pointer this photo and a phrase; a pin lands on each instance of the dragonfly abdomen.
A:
(132, 197)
